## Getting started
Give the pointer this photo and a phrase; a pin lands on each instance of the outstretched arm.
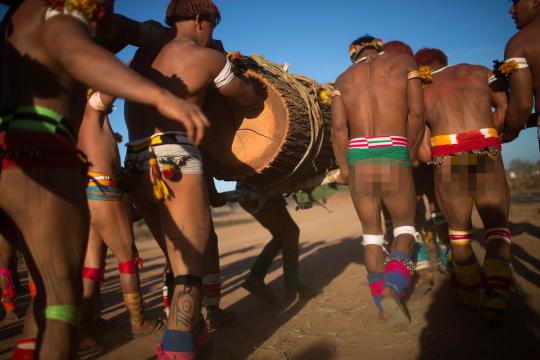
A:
(116, 31)
(340, 135)
(68, 41)
(521, 95)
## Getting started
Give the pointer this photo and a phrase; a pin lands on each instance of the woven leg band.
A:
(500, 234)
(376, 283)
(66, 313)
(134, 307)
(94, 274)
(131, 266)
(460, 238)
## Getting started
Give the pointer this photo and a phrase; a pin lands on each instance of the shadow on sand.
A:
(254, 317)
(454, 332)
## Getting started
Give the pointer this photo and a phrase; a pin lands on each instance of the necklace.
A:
(366, 57)
(441, 69)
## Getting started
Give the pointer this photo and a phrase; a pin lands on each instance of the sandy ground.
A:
(340, 323)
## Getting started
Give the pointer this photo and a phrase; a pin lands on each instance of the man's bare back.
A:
(466, 85)
(374, 95)
(187, 77)
(465, 147)
(34, 75)
(377, 121)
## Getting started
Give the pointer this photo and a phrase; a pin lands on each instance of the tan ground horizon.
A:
(341, 322)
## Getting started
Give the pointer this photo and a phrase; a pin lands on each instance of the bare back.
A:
(374, 94)
(182, 67)
(458, 100)
(30, 74)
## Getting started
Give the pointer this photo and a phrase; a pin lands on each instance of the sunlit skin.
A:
(186, 67)
(524, 83)
(459, 100)
(110, 221)
(376, 100)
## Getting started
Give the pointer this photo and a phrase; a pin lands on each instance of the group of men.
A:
(391, 112)
(60, 165)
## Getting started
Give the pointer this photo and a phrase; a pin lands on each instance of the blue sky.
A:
(313, 35)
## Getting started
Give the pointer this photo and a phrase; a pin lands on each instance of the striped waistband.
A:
(455, 139)
(169, 137)
(96, 178)
(35, 118)
(376, 142)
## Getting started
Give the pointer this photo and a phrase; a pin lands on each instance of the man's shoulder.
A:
(469, 67)
(401, 60)
(466, 71)
(344, 76)
(521, 41)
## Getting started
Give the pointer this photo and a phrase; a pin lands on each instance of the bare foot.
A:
(306, 292)
(88, 345)
(217, 318)
(148, 327)
(303, 292)
(260, 290)
(393, 308)
(424, 283)
(382, 315)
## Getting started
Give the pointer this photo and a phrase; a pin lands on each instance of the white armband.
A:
(225, 76)
(51, 12)
(520, 61)
(96, 103)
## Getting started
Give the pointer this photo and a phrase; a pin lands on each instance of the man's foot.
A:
(260, 290)
(393, 308)
(382, 315)
(494, 305)
(306, 292)
(303, 292)
(11, 316)
(424, 283)
(88, 345)
(148, 327)
(217, 318)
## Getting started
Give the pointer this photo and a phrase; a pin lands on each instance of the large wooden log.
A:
(286, 143)
(289, 140)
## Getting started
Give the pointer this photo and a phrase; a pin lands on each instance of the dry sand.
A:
(340, 323)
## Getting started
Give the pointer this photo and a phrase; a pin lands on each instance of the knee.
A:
(290, 232)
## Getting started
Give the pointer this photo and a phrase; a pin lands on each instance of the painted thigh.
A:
(185, 222)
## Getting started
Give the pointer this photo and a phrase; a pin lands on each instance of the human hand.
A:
(343, 177)
(507, 137)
